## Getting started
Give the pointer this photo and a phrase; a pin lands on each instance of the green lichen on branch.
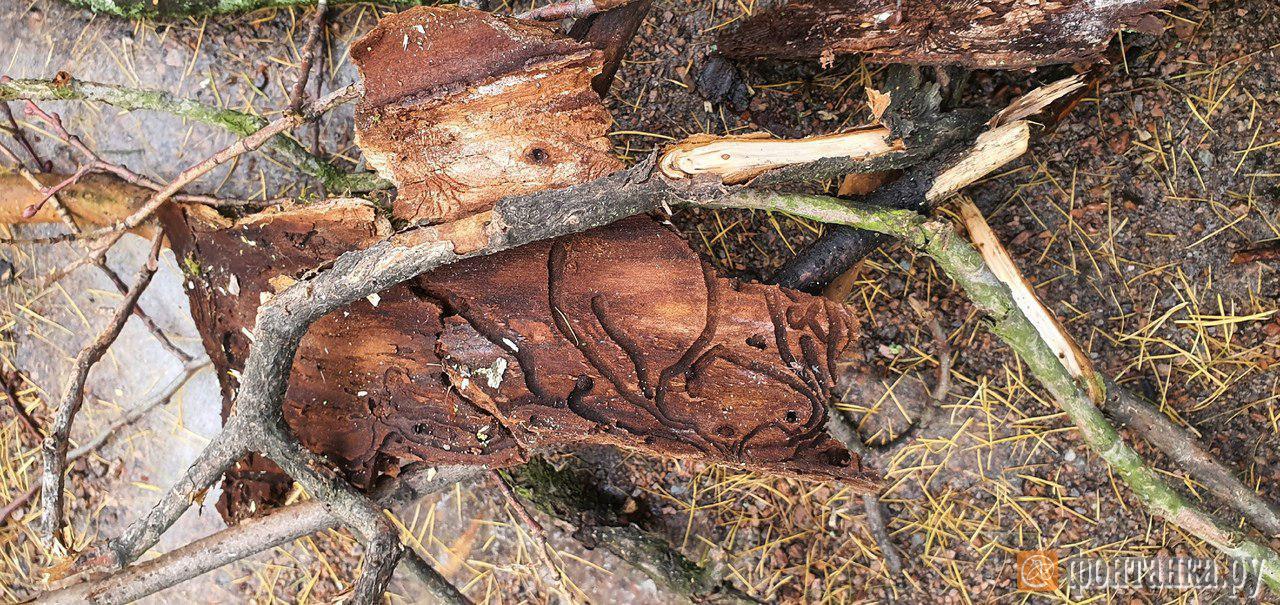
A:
(236, 122)
(597, 521)
(964, 264)
(171, 9)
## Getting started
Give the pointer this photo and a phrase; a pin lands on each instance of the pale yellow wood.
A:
(739, 158)
(993, 149)
(1050, 329)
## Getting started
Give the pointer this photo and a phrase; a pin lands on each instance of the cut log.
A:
(618, 336)
(462, 108)
(987, 34)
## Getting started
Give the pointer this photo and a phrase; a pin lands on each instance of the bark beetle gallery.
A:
(618, 336)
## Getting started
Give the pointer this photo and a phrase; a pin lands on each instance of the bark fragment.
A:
(462, 108)
(987, 34)
(618, 336)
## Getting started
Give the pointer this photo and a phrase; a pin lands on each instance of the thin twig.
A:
(20, 136)
(55, 444)
(129, 417)
(238, 123)
(226, 154)
(962, 263)
(11, 393)
(308, 55)
(64, 213)
(1137, 413)
(244, 539)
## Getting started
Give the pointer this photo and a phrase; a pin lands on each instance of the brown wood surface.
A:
(462, 108)
(991, 34)
(619, 336)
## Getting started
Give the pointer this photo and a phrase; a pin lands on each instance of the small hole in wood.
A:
(791, 416)
(757, 341)
(539, 155)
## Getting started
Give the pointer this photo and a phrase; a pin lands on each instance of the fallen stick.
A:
(314, 34)
(147, 9)
(55, 444)
(131, 416)
(927, 184)
(1132, 411)
(245, 539)
(1000, 34)
(1114, 399)
(226, 154)
(571, 9)
(598, 524)
(962, 263)
(124, 420)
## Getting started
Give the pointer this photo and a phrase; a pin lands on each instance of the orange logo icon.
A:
(1038, 570)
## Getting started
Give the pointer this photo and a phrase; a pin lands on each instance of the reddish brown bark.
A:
(990, 34)
(462, 108)
(619, 336)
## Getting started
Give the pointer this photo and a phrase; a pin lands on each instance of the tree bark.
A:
(988, 34)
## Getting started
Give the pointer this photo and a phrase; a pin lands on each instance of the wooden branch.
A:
(314, 34)
(962, 263)
(598, 523)
(236, 122)
(571, 9)
(997, 34)
(738, 159)
(55, 444)
(1024, 295)
(1134, 412)
(245, 539)
(918, 189)
(151, 9)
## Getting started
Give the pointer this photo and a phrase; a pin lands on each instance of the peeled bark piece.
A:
(447, 367)
(360, 371)
(95, 200)
(462, 108)
(986, 34)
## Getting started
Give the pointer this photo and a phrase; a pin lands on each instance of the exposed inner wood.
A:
(736, 159)
(991, 150)
(462, 108)
(618, 336)
(1046, 323)
(991, 34)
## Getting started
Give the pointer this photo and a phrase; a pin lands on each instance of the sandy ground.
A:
(1125, 216)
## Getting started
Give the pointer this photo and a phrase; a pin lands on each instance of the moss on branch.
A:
(964, 264)
(597, 521)
(236, 122)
